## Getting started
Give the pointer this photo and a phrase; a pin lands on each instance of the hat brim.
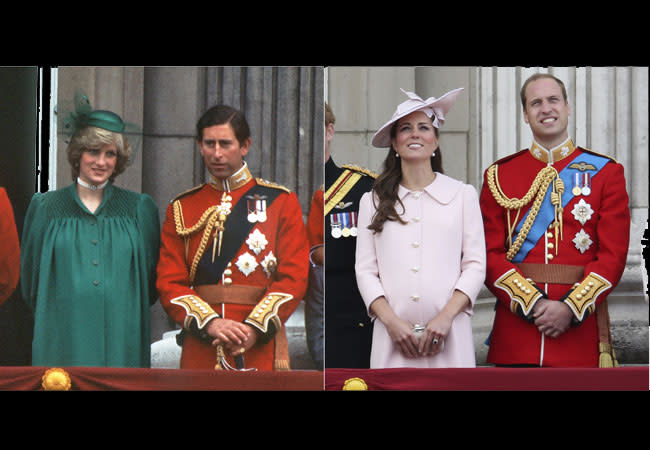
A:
(381, 138)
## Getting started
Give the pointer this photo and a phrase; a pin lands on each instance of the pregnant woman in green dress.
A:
(89, 255)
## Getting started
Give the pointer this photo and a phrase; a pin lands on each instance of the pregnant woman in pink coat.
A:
(420, 258)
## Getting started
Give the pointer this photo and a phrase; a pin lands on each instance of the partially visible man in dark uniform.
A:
(348, 329)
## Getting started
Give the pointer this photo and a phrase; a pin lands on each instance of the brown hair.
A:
(387, 184)
(93, 138)
(535, 77)
(329, 115)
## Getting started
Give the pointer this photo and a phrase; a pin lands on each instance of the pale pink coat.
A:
(418, 265)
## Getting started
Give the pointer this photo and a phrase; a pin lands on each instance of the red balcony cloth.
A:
(494, 379)
(96, 378)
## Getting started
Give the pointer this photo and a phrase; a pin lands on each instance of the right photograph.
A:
(484, 222)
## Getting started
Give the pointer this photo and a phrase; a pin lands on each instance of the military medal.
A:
(353, 223)
(577, 190)
(260, 207)
(256, 206)
(586, 187)
(252, 210)
(335, 225)
(345, 232)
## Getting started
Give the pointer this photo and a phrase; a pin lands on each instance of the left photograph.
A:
(167, 230)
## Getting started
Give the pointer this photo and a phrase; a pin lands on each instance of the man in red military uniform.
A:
(234, 257)
(557, 227)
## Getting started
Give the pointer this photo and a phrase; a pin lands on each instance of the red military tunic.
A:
(272, 256)
(577, 251)
(10, 258)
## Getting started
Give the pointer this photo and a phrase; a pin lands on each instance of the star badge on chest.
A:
(246, 263)
(256, 241)
(582, 211)
(269, 264)
(582, 241)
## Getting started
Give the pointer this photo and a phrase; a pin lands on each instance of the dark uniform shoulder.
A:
(188, 192)
(361, 170)
(271, 184)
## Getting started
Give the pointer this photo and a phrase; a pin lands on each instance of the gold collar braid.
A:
(537, 190)
(234, 181)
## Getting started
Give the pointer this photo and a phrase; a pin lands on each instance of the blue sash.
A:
(546, 214)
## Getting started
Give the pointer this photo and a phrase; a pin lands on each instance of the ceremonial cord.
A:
(538, 190)
(208, 220)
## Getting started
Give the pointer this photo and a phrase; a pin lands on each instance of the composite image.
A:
(324, 228)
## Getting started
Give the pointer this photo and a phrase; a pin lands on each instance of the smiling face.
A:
(415, 137)
(97, 165)
(547, 112)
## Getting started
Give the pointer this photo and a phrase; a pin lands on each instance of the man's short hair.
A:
(220, 115)
(536, 77)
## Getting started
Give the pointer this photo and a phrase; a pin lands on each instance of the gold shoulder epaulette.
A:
(588, 150)
(189, 191)
(271, 184)
(360, 169)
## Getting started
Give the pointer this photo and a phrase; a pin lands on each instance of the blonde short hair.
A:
(93, 138)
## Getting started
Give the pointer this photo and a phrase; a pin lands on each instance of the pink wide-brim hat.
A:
(436, 107)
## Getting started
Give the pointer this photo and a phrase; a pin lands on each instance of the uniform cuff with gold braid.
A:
(523, 293)
(518, 309)
(582, 297)
(196, 309)
(192, 328)
(264, 316)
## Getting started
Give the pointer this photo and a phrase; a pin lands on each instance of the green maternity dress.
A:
(89, 277)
